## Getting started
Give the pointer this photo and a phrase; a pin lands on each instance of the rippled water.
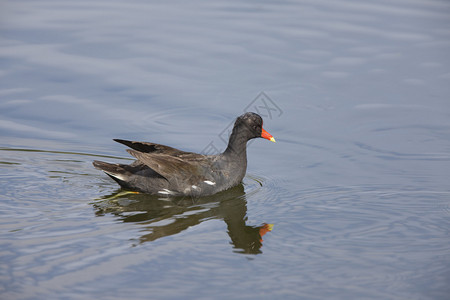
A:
(352, 202)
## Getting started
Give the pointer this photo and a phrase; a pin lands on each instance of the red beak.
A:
(266, 135)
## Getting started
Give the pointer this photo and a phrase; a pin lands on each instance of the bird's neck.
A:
(237, 146)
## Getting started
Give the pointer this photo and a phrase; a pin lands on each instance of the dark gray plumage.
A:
(164, 170)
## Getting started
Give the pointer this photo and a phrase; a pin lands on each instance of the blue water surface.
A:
(352, 202)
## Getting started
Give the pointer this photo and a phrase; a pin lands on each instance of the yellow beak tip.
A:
(272, 139)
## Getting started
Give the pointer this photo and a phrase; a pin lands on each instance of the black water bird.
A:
(163, 170)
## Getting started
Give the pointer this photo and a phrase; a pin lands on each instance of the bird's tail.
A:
(115, 171)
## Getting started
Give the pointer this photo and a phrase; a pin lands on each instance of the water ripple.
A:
(389, 154)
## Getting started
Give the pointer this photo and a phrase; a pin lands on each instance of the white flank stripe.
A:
(165, 192)
(209, 182)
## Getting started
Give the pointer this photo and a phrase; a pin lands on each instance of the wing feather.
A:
(147, 147)
(174, 169)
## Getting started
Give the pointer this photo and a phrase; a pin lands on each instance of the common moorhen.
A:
(163, 170)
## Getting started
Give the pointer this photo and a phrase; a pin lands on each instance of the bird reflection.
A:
(162, 217)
